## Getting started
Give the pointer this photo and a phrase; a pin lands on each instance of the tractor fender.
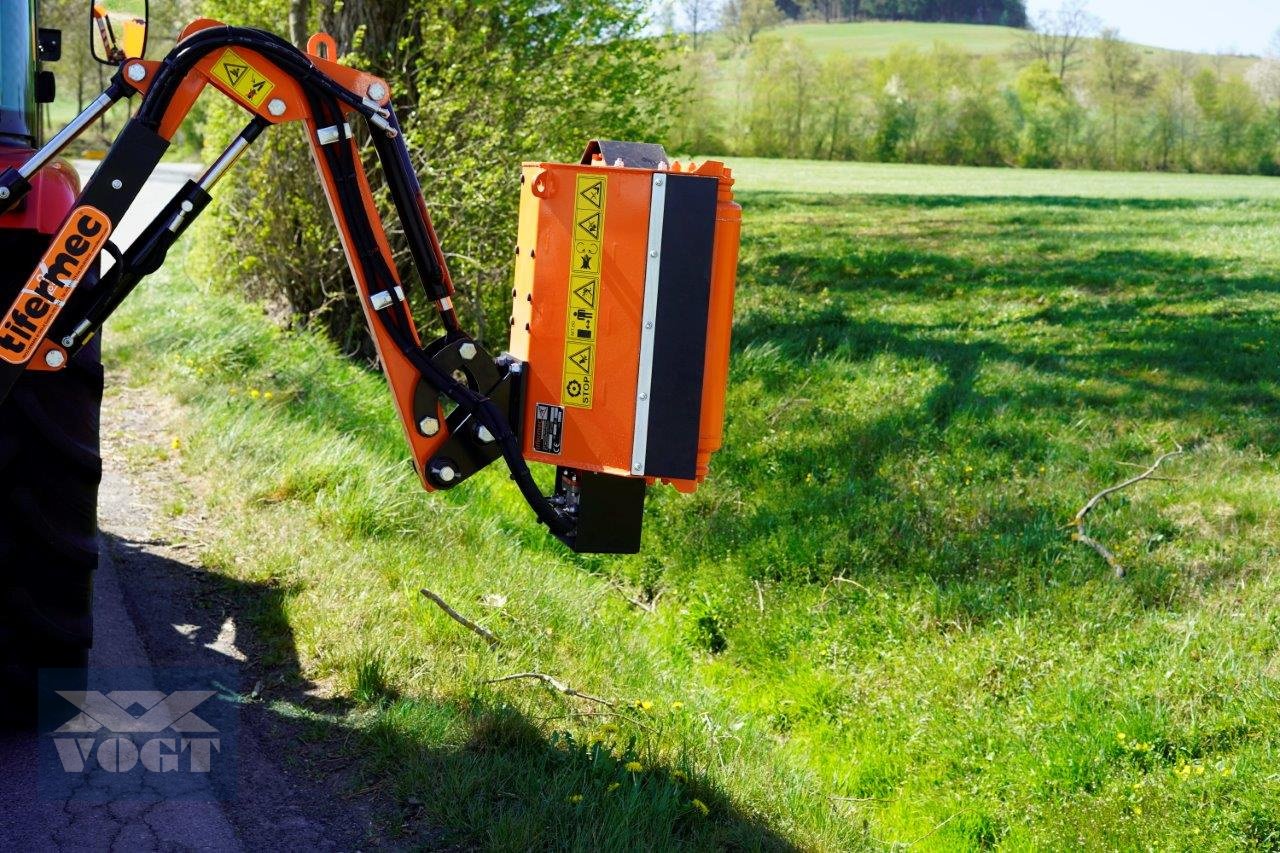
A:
(53, 192)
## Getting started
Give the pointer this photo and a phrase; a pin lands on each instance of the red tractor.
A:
(49, 463)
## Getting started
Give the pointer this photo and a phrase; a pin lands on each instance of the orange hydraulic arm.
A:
(277, 83)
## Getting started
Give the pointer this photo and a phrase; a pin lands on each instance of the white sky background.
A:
(1230, 26)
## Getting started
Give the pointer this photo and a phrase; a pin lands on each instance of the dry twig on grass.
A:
(650, 606)
(1082, 535)
(555, 684)
(487, 635)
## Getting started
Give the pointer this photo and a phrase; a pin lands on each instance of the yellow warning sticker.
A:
(584, 292)
(249, 83)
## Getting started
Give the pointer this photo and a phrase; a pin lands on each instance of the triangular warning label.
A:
(590, 226)
(587, 293)
(234, 72)
(593, 193)
(581, 358)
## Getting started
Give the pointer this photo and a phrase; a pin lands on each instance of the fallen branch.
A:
(487, 635)
(1082, 535)
(555, 684)
(759, 596)
(650, 606)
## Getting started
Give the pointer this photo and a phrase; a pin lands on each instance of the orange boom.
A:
(623, 297)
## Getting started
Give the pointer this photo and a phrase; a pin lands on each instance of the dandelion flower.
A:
(700, 806)
(176, 444)
(645, 705)
(1120, 736)
(1137, 811)
(575, 798)
(633, 767)
(676, 706)
(267, 395)
(255, 393)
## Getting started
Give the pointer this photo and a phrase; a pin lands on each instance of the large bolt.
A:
(54, 358)
(429, 425)
(117, 184)
(445, 473)
(467, 351)
(276, 107)
(137, 73)
(377, 91)
(4, 192)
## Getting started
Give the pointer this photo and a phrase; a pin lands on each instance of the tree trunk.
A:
(299, 12)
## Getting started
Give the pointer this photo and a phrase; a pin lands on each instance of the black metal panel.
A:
(131, 160)
(680, 342)
(610, 513)
(634, 155)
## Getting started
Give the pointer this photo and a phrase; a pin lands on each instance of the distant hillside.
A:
(873, 39)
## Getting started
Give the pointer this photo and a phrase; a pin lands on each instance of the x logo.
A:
(111, 711)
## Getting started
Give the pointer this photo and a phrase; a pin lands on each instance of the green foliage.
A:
(888, 95)
(933, 369)
(1008, 13)
(478, 87)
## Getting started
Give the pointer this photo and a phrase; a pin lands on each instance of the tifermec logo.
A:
(64, 265)
(149, 734)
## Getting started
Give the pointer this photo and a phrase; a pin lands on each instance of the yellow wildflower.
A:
(575, 798)
(1120, 736)
(633, 767)
(1137, 811)
(676, 706)
(255, 393)
(645, 705)
(176, 444)
(267, 395)
(700, 806)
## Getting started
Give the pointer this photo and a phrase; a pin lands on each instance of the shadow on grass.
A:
(451, 773)
(1024, 340)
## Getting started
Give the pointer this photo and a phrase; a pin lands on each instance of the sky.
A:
(1234, 26)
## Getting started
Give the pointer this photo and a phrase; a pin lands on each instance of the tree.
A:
(698, 17)
(1118, 79)
(1057, 38)
(743, 20)
(478, 85)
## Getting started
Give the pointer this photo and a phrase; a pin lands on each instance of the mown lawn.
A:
(873, 625)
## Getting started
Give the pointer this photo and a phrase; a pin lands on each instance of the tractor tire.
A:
(50, 467)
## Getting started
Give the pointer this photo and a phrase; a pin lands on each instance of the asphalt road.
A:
(153, 609)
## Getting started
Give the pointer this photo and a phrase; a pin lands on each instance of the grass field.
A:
(874, 627)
